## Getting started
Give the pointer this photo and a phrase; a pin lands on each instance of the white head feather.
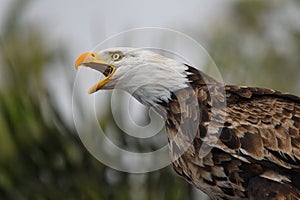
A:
(148, 76)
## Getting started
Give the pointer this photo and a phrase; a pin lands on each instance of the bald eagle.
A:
(231, 142)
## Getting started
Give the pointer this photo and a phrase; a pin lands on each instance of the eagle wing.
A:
(253, 135)
(264, 189)
(263, 124)
(263, 129)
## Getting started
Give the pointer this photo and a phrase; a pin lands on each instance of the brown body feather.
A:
(235, 142)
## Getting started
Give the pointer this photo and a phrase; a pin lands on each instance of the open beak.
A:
(90, 59)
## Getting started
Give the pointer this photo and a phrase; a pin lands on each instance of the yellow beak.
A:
(90, 59)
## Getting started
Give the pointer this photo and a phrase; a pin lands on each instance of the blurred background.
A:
(253, 43)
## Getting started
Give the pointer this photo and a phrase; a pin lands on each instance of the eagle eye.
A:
(116, 56)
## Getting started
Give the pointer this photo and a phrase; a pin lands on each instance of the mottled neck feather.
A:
(195, 79)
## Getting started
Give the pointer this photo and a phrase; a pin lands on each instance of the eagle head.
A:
(148, 76)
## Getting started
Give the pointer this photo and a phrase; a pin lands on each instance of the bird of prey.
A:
(231, 142)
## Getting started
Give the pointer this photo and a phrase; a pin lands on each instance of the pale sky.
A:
(85, 23)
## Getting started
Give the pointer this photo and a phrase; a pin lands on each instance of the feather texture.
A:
(246, 147)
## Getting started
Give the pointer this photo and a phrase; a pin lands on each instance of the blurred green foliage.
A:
(260, 45)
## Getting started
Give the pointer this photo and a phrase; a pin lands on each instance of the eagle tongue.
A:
(107, 71)
(104, 69)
